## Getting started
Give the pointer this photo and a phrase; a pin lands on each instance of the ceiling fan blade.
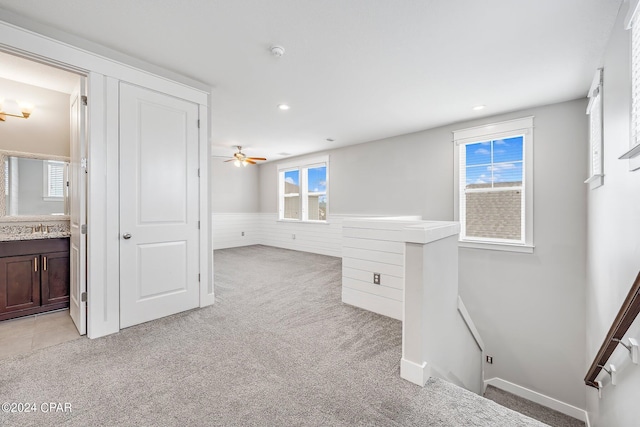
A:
(256, 158)
(250, 161)
(230, 160)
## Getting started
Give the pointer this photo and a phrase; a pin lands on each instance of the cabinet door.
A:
(55, 277)
(19, 283)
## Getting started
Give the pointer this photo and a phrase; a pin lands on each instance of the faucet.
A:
(44, 229)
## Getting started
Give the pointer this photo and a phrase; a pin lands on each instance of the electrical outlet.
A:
(376, 278)
(490, 360)
(243, 234)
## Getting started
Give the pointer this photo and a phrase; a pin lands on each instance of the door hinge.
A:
(198, 172)
(83, 229)
(198, 123)
(84, 99)
(83, 297)
(198, 225)
(198, 277)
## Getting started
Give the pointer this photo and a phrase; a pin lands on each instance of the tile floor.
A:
(27, 334)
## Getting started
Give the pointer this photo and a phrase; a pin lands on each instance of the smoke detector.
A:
(277, 51)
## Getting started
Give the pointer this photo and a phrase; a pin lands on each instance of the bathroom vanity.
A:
(34, 276)
(34, 234)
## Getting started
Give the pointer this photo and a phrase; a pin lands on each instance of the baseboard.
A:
(375, 303)
(412, 372)
(539, 398)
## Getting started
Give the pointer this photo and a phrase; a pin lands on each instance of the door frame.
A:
(104, 69)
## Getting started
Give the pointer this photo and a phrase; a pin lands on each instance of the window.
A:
(632, 21)
(635, 80)
(53, 182)
(594, 110)
(303, 190)
(494, 184)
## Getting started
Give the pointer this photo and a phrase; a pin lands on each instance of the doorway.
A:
(47, 134)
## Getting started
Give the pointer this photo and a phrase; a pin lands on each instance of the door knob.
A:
(126, 236)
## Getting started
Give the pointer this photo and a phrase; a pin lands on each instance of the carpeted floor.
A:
(534, 410)
(277, 349)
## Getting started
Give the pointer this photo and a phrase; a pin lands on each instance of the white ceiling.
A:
(353, 70)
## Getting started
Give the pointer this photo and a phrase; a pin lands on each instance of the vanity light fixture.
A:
(9, 107)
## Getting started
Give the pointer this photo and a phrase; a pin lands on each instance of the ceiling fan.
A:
(240, 158)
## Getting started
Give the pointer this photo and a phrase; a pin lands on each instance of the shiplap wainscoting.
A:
(319, 238)
(265, 229)
(227, 230)
(374, 246)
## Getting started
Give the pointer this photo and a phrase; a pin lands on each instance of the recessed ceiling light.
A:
(283, 107)
(479, 107)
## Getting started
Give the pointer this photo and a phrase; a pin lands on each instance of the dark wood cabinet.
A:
(34, 276)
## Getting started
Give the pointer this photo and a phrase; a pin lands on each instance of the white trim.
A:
(517, 127)
(631, 13)
(302, 167)
(477, 133)
(207, 290)
(539, 398)
(494, 246)
(596, 132)
(472, 326)
(412, 372)
(104, 73)
(304, 162)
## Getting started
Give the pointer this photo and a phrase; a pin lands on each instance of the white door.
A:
(77, 208)
(159, 237)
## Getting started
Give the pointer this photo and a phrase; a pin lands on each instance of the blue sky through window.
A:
(317, 178)
(495, 161)
(292, 177)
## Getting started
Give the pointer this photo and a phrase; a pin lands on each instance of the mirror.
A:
(35, 186)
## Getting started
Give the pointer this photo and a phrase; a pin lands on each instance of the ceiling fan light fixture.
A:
(236, 162)
(245, 163)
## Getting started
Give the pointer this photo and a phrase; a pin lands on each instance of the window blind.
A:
(55, 174)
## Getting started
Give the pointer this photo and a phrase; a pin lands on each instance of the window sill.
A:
(633, 152)
(505, 247)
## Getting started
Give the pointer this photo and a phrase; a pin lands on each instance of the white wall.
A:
(614, 235)
(529, 308)
(233, 189)
(46, 130)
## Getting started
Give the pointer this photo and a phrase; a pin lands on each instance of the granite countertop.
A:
(9, 233)
(32, 236)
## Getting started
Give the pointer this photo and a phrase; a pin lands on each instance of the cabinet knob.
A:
(126, 236)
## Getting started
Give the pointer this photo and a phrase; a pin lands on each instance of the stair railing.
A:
(626, 316)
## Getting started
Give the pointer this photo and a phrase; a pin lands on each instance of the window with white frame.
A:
(495, 185)
(302, 193)
(632, 21)
(594, 110)
(635, 79)
(53, 180)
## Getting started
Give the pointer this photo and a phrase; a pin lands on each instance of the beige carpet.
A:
(277, 349)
